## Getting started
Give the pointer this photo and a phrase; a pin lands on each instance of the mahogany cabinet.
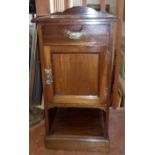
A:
(76, 49)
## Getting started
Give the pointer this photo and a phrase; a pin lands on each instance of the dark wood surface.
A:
(72, 143)
(81, 73)
(85, 83)
(77, 14)
(84, 132)
(92, 34)
(116, 130)
(75, 80)
(86, 122)
(81, 66)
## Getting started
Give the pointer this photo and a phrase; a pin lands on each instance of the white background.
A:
(140, 77)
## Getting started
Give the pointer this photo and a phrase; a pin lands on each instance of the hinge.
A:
(48, 75)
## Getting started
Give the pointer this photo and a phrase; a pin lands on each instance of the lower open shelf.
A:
(77, 129)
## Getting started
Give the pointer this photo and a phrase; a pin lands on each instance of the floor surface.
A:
(117, 138)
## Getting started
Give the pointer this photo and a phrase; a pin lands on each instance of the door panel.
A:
(79, 74)
(75, 74)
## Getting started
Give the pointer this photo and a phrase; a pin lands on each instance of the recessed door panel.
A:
(75, 74)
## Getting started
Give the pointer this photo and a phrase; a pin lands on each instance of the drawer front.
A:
(76, 34)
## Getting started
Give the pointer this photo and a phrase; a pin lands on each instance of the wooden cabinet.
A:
(76, 49)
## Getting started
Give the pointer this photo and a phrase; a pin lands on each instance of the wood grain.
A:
(81, 124)
(94, 34)
(76, 81)
(76, 15)
(78, 133)
(81, 73)
(73, 74)
(116, 132)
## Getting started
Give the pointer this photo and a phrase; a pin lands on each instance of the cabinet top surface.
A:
(77, 13)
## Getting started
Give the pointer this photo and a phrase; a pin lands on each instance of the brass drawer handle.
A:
(75, 35)
(48, 74)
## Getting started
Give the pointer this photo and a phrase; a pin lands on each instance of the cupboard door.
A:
(75, 75)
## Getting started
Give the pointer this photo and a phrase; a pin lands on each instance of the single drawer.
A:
(76, 34)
